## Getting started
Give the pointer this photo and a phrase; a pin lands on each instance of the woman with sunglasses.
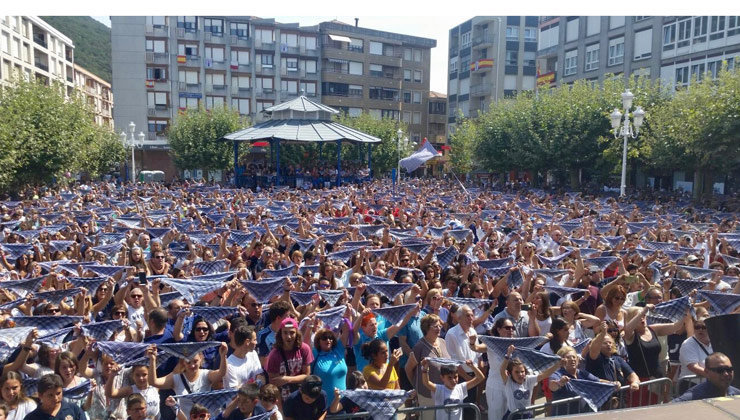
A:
(127, 333)
(201, 331)
(503, 327)
(329, 358)
(189, 377)
(611, 309)
(158, 264)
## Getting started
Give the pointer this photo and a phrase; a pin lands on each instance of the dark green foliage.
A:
(91, 39)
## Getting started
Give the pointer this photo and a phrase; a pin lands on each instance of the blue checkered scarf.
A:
(330, 296)
(56, 296)
(55, 338)
(535, 361)
(243, 239)
(500, 262)
(601, 262)
(382, 405)
(102, 331)
(660, 246)
(186, 350)
(333, 238)
(108, 250)
(500, 345)
(441, 361)
(344, 255)
(369, 279)
(446, 257)
(672, 310)
(216, 277)
(579, 346)
(123, 352)
(697, 273)
(11, 338)
(332, 318)
(158, 232)
(15, 251)
(211, 267)
(303, 298)
(214, 401)
(437, 232)
(471, 302)
(264, 290)
(23, 287)
(563, 291)
(89, 283)
(595, 394)
(78, 392)
(418, 248)
(105, 270)
(213, 313)
(390, 290)
(612, 241)
(499, 271)
(61, 245)
(394, 314)
(281, 272)
(553, 261)
(191, 289)
(459, 234)
(46, 324)
(166, 298)
(722, 303)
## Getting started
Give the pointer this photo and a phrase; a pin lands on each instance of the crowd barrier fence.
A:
(409, 411)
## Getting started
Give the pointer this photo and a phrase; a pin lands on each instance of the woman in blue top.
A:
(329, 363)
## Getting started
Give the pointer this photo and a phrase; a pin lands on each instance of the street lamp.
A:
(131, 141)
(626, 130)
(398, 148)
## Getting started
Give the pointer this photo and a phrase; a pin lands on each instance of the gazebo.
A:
(301, 120)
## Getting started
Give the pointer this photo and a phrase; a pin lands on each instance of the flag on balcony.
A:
(181, 59)
(234, 65)
(150, 84)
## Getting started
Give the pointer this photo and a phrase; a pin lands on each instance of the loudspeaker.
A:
(724, 331)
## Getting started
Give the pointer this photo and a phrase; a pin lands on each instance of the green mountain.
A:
(91, 39)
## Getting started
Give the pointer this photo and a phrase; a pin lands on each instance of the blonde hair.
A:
(565, 350)
(632, 312)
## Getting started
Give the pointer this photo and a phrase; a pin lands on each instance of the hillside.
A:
(91, 39)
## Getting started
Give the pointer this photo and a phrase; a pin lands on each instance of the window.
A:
(5, 42)
(684, 33)
(190, 50)
(593, 25)
(239, 29)
(407, 54)
(700, 29)
(416, 97)
(309, 88)
(157, 126)
(376, 48)
(215, 79)
(571, 62)
(417, 118)
(189, 103)
(266, 60)
(265, 83)
(291, 63)
(290, 40)
(669, 36)
(214, 102)
(389, 114)
(407, 117)
(388, 94)
(263, 105)
(530, 58)
(376, 70)
(616, 51)
(592, 57)
(157, 99)
(308, 42)
(241, 82)
(355, 45)
(417, 55)
(265, 36)
(549, 36)
(155, 45)
(733, 25)
(512, 33)
(417, 76)
(530, 34)
(682, 76)
(713, 67)
(616, 22)
(214, 26)
(241, 105)
(215, 53)
(239, 57)
(453, 64)
(698, 70)
(355, 91)
(388, 50)
(355, 67)
(156, 73)
(465, 40)
(716, 27)
(640, 18)
(156, 21)
(407, 75)
(571, 29)
(188, 76)
(407, 97)
(310, 66)
(354, 112)
(290, 86)
(190, 23)
(512, 58)
(644, 44)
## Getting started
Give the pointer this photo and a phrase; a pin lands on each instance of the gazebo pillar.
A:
(277, 152)
(369, 159)
(339, 162)
(236, 163)
(321, 152)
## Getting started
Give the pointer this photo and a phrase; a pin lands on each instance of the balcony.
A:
(217, 37)
(162, 111)
(266, 94)
(189, 87)
(285, 49)
(454, 50)
(189, 34)
(157, 30)
(242, 92)
(157, 58)
(387, 60)
(483, 89)
(484, 39)
(42, 66)
(262, 45)
(240, 67)
(239, 41)
(266, 70)
(310, 53)
(39, 40)
(437, 119)
(214, 65)
(211, 88)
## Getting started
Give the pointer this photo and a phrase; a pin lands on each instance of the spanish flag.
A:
(181, 59)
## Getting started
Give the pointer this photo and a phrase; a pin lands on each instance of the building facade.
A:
(31, 48)
(490, 58)
(97, 93)
(383, 73)
(672, 48)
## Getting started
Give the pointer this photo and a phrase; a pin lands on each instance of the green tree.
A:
(43, 134)
(194, 138)
(105, 154)
(463, 143)
(385, 154)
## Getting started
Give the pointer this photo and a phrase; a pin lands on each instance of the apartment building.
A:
(383, 73)
(490, 58)
(672, 48)
(31, 48)
(437, 131)
(97, 93)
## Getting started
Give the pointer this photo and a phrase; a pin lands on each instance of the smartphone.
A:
(526, 307)
(142, 277)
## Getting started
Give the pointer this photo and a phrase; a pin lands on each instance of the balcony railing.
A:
(39, 40)
(482, 89)
(42, 66)
(484, 39)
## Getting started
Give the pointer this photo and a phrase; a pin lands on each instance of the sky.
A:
(425, 18)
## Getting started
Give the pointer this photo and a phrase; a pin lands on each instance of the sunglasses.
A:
(612, 330)
(722, 369)
(53, 310)
(119, 313)
(324, 286)
(159, 257)
(405, 260)
(255, 304)
(202, 329)
(508, 327)
(327, 338)
(137, 296)
(700, 327)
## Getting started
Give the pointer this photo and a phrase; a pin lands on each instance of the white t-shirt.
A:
(691, 352)
(201, 384)
(240, 371)
(519, 395)
(458, 345)
(22, 410)
(445, 396)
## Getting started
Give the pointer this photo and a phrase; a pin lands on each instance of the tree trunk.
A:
(574, 179)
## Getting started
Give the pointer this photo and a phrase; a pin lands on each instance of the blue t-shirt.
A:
(361, 362)
(705, 390)
(238, 415)
(66, 412)
(265, 341)
(567, 392)
(412, 332)
(331, 367)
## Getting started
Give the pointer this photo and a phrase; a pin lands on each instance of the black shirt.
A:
(295, 408)
(612, 368)
(66, 412)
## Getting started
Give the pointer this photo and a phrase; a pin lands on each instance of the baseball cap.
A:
(692, 258)
(289, 322)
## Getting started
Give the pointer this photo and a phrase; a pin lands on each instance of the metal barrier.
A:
(654, 391)
(683, 384)
(411, 410)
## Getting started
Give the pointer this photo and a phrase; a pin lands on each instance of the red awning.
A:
(261, 144)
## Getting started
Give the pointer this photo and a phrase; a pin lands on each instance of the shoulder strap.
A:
(185, 383)
(701, 345)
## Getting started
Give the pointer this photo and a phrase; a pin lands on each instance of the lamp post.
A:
(399, 133)
(131, 141)
(626, 130)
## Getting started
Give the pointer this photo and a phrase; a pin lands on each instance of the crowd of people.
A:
(194, 301)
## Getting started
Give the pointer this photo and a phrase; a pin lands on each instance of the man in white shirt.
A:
(243, 366)
(456, 338)
(519, 318)
(694, 350)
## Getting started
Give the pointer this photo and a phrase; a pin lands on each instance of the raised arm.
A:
(425, 376)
